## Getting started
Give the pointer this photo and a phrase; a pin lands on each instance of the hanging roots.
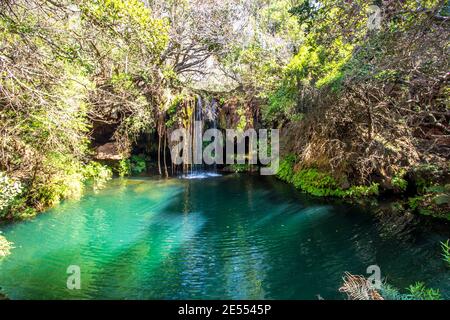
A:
(358, 288)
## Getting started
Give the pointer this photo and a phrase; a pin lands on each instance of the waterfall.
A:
(205, 114)
(213, 118)
(197, 138)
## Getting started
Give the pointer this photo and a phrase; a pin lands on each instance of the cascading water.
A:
(197, 169)
(213, 118)
(197, 137)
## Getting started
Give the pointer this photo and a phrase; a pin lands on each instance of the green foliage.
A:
(67, 181)
(316, 183)
(433, 197)
(242, 123)
(257, 67)
(323, 185)
(314, 66)
(73, 63)
(306, 12)
(281, 103)
(319, 183)
(387, 75)
(325, 57)
(445, 11)
(446, 251)
(94, 170)
(419, 291)
(399, 182)
(132, 20)
(124, 168)
(64, 180)
(426, 177)
(97, 173)
(286, 168)
(259, 61)
(138, 164)
(389, 292)
(174, 104)
(20, 210)
(415, 202)
(108, 60)
(362, 191)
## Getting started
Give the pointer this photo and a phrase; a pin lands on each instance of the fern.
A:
(419, 292)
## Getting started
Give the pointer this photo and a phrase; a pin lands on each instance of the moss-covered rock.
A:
(317, 183)
(428, 176)
(432, 190)
(320, 183)
(240, 168)
(428, 186)
(431, 204)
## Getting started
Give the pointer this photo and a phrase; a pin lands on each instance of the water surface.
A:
(230, 237)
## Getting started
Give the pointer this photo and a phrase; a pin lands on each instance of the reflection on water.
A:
(200, 175)
(227, 237)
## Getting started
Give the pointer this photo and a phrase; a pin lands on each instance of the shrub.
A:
(398, 181)
(138, 164)
(286, 168)
(316, 183)
(426, 176)
(65, 180)
(97, 173)
(362, 191)
(9, 190)
(46, 194)
(389, 292)
(124, 168)
(415, 202)
(320, 183)
(418, 291)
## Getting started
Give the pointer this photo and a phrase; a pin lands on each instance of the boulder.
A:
(108, 151)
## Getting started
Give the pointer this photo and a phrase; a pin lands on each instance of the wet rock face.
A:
(108, 151)
(291, 138)
(103, 142)
(236, 114)
(102, 132)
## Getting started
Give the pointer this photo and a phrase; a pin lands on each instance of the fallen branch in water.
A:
(358, 288)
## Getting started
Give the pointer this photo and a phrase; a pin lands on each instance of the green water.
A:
(231, 237)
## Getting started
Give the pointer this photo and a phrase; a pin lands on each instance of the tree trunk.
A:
(164, 154)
